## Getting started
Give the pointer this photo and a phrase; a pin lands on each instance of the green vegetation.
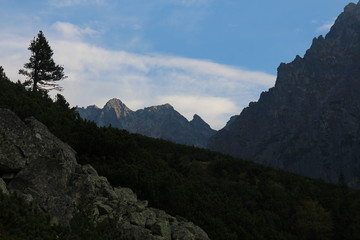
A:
(229, 198)
(42, 73)
(20, 221)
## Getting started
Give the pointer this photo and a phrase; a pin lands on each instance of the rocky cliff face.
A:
(38, 166)
(309, 122)
(158, 122)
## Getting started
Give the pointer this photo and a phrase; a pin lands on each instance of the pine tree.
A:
(2, 74)
(42, 74)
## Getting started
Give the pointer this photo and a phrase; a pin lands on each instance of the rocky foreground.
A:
(39, 167)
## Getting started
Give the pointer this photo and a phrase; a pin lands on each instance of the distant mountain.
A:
(157, 121)
(309, 123)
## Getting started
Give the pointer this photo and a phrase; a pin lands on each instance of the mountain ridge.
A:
(229, 198)
(161, 121)
(307, 123)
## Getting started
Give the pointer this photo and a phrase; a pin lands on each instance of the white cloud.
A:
(71, 31)
(13, 55)
(326, 26)
(212, 90)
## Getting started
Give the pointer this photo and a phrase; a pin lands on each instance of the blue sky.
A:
(208, 57)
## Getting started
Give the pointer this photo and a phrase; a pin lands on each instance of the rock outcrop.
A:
(41, 168)
(309, 122)
(158, 122)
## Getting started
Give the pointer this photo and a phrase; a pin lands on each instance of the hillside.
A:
(229, 198)
(42, 169)
(309, 122)
(157, 122)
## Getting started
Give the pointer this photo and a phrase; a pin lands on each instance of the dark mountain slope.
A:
(157, 121)
(229, 198)
(309, 123)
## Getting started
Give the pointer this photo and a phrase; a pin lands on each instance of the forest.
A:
(229, 198)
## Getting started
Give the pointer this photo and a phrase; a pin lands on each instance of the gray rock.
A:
(103, 209)
(8, 176)
(48, 172)
(187, 231)
(16, 141)
(141, 205)
(126, 195)
(150, 218)
(137, 218)
(162, 228)
(3, 187)
(88, 169)
(134, 232)
(45, 172)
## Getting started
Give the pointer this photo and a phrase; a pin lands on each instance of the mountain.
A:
(157, 122)
(229, 198)
(308, 123)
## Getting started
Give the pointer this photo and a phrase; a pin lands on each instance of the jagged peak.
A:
(198, 121)
(197, 118)
(118, 106)
(93, 107)
(114, 102)
(292, 115)
(343, 34)
(350, 7)
(345, 28)
(165, 106)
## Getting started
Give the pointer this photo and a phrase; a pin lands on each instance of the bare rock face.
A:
(16, 152)
(3, 188)
(161, 121)
(41, 168)
(309, 122)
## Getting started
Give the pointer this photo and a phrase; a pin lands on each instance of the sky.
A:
(205, 57)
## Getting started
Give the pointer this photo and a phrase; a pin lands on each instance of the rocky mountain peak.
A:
(93, 107)
(197, 121)
(350, 7)
(114, 102)
(308, 122)
(197, 118)
(345, 31)
(160, 108)
(161, 121)
(120, 109)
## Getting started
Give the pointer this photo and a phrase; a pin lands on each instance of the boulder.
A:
(16, 142)
(43, 169)
(3, 188)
